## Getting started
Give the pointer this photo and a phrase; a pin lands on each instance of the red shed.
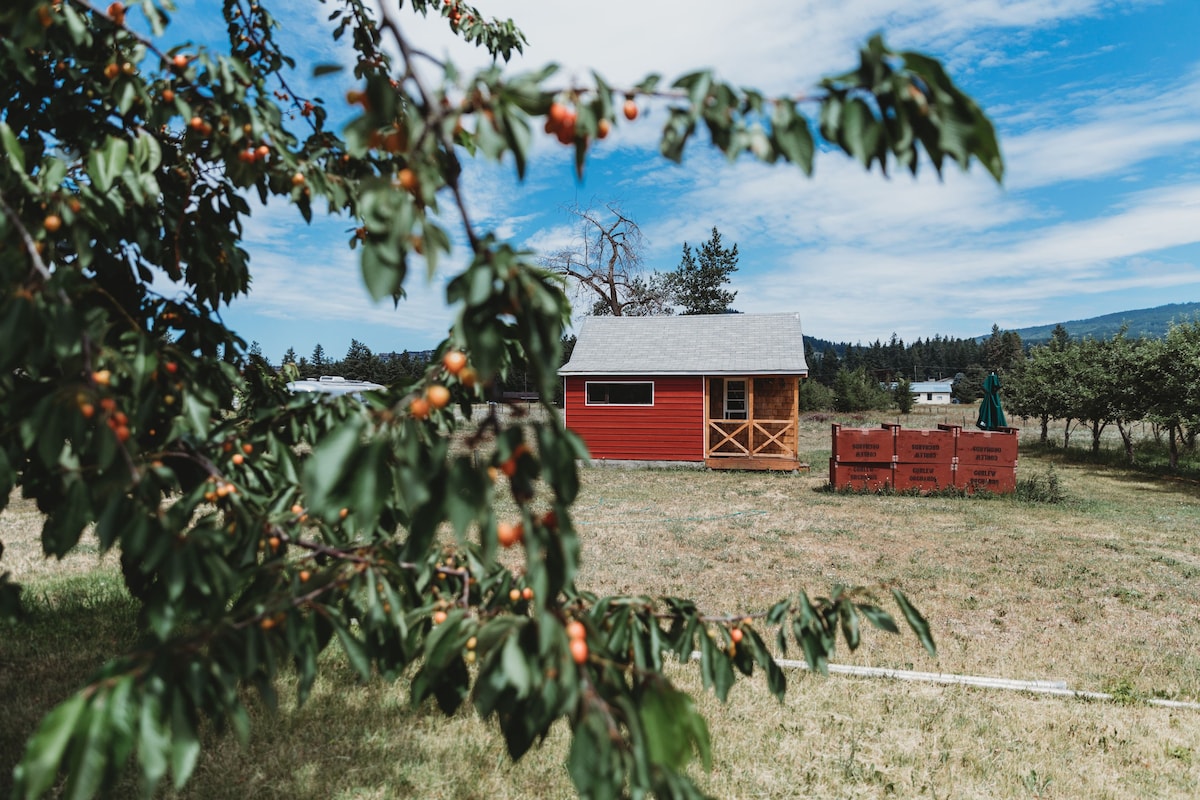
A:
(722, 389)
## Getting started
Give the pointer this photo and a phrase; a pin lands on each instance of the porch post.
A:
(707, 390)
(750, 414)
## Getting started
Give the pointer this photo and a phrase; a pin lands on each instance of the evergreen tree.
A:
(827, 367)
(360, 364)
(318, 359)
(968, 384)
(1059, 338)
(816, 396)
(902, 395)
(857, 390)
(696, 283)
(1002, 351)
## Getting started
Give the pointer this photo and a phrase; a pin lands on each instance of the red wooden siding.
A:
(670, 430)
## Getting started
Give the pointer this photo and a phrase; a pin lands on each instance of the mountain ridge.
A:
(1149, 322)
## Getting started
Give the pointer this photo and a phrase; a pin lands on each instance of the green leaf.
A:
(326, 69)
(185, 747)
(715, 664)
(37, 772)
(355, 652)
(383, 268)
(878, 617)
(848, 616)
(153, 742)
(329, 460)
(857, 123)
(76, 25)
(12, 147)
(915, 621)
(90, 756)
(776, 680)
(106, 163)
(594, 761)
(515, 664)
(147, 155)
(792, 136)
(674, 728)
(517, 135)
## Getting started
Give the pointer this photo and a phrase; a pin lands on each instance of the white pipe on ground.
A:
(1054, 688)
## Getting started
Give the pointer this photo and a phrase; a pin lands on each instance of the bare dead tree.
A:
(605, 264)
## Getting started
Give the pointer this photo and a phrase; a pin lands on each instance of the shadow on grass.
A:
(351, 739)
(70, 628)
(1151, 463)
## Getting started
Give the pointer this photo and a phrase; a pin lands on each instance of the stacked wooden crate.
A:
(869, 459)
(985, 460)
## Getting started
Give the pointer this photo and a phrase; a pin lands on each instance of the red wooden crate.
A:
(987, 448)
(863, 445)
(861, 476)
(925, 447)
(976, 478)
(925, 477)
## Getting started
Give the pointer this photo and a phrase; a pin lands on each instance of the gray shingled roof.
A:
(709, 344)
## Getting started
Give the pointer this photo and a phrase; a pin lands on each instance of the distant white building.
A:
(334, 385)
(931, 392)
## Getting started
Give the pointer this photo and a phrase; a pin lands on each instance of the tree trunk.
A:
(1127, 439)
(1045, 428)
(1097, 429)
(1174, 447)
(1067, 433)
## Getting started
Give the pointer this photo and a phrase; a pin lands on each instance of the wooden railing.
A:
(757, 438)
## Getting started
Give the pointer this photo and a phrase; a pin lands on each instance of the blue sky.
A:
(1097, 103)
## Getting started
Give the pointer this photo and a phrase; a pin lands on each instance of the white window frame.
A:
(745, 399)
(587, 393)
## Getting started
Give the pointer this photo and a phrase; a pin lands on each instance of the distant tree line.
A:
(390, 368)
(1120, 381)
(359, 363)
(853, 377)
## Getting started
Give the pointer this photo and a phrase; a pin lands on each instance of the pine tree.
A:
(696, 282)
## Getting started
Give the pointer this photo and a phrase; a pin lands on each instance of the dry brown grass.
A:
(1102, 592)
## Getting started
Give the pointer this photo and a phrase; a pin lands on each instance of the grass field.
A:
(1101, 591)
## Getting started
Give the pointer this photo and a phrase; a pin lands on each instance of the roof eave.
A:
(677, 373)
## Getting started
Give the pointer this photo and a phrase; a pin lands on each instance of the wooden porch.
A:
(750, 422)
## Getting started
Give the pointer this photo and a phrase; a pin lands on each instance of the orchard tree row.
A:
(258, 537)
(1121, 381)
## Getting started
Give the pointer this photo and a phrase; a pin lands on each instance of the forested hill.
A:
(1149, 322)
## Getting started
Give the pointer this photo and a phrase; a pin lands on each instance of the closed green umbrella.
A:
(991, 415)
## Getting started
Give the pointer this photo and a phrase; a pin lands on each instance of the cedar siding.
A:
(672, 429)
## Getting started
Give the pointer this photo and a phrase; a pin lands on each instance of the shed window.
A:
(735, 399)
(620, 394)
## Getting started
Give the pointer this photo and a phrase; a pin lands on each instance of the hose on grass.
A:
(1054, 688)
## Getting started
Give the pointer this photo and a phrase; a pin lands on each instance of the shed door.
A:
(735, 399)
